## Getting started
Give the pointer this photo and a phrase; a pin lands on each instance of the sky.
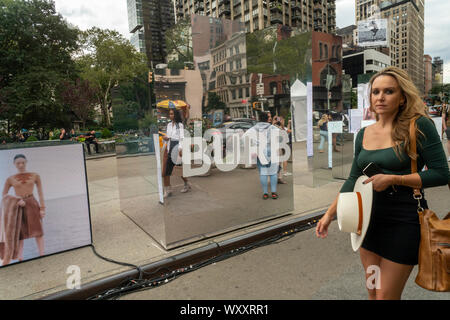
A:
(112, 14)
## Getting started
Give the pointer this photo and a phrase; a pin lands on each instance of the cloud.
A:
(345, 13)
(105, 14)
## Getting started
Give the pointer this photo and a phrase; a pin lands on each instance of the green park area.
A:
(54, 75)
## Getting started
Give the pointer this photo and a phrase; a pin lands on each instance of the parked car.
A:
(435, 110)
(231, 128)
(234, 126)
(252, 121)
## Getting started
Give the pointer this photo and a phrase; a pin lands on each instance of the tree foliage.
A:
(268, 55)
(179, 44)
(36, 48)
(107, 60)
(80, 98)
(214, 102)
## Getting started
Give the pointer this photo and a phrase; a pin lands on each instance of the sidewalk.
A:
(302, 267)
(117, 237)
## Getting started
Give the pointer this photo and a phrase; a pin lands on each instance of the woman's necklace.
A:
(23, 177)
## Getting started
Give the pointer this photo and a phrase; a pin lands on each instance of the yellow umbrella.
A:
(166, 104)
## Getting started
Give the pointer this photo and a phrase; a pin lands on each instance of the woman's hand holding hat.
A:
(381, 182)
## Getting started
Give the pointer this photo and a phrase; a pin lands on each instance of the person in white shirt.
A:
(174, 137)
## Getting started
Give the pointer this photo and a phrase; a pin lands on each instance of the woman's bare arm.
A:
(6, 188)
(410, 180)
(40, 191)
(332, 210)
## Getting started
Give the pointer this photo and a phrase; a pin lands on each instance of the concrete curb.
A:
(184, 259)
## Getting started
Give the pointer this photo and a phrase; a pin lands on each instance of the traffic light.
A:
(257, 105)
(150, 77)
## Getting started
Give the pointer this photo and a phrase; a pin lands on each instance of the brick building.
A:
(327, 60)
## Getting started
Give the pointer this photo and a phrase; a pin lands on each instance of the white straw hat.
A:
(354, 210)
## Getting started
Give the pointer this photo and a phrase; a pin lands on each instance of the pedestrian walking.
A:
(446, 125)
(173, 152)
(393, 235)
(270, 169)
(323, 126)
(278, 122)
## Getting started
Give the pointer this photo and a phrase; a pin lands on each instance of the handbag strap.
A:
(413, 150)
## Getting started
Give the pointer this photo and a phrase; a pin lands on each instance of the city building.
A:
(276, 92)
(363, 62)
(408, 30)
(326, 63)
(348, 35)
(185, 85)
(428, 74)
(148, 21)
(208, 32)
(438, 71)
(229, 78)
(308, 15)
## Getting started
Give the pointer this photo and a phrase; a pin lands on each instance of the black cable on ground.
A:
(118, 262)
(140, 284)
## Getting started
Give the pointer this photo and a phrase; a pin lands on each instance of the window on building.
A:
(273, 88)
(325, 48)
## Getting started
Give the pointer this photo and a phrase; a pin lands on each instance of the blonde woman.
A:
(393, 237)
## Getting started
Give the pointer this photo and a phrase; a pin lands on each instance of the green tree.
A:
(354, 100)
(108, 59)
(214, 102)
(36, 48)
(179, 44)
(80, 98)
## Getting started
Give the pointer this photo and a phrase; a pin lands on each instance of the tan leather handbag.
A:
(434, 251)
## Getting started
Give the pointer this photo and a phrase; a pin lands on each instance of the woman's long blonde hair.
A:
(413, 107)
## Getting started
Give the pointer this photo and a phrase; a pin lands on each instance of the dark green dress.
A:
(394, 229)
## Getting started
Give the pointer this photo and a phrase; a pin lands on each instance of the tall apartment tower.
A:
(438, 71)
(408, 20)
(147, 21)
(428, 73)
(308, 15)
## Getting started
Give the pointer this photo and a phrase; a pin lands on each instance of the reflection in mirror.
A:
(135, 123)
(240, 84)
(179, 45)
(331, 140)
